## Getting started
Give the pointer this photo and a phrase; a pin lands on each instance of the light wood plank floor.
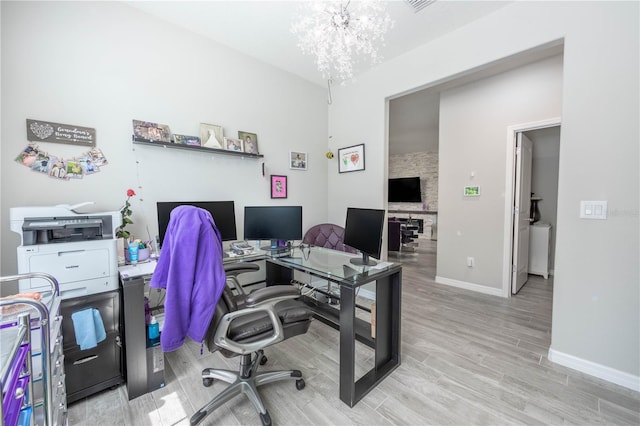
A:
(467, 359)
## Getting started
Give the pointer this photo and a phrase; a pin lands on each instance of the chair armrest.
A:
(234, 269)
(266, 293)
(262, 300)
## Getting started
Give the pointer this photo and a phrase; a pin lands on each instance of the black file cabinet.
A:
(92, 370)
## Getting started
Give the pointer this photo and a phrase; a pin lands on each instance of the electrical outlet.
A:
(471, 262)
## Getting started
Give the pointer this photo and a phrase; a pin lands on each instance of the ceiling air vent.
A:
(418, 5)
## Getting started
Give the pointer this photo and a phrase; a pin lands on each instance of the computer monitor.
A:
(363, 232)
(222, 211)
(274, 223)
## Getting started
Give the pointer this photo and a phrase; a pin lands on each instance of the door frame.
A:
(509, 194)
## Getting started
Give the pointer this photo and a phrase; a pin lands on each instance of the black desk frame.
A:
(386, 344)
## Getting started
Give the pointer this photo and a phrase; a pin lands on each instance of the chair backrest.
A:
(327, 235)
(225, 305)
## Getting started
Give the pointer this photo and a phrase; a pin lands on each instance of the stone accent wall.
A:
(422, 164)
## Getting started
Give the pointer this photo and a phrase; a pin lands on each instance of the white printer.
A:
(78, 249)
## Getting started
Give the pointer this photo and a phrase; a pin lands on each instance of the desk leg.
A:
(387, 341)
(347, 345)
(135, 337)
(388, 297)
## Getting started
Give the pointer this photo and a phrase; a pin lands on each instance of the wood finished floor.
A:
(467, 359)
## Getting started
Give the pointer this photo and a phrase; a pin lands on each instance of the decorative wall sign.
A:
(351, 158)
(45, 131)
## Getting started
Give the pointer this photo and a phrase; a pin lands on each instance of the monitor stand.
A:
(276, 247)
(365, 261)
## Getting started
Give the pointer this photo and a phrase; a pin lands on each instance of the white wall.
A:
(596, 291)
(103, 64)
(470, 226)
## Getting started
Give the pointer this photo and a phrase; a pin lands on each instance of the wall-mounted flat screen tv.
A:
(405, 190)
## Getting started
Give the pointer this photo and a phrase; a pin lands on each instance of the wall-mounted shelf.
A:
(195, 148)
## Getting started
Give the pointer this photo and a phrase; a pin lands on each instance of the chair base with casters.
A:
(246, 382)
(264, 317)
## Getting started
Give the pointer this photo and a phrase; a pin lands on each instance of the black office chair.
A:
(243, 325)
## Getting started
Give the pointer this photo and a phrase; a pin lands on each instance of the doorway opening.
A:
(531, 203)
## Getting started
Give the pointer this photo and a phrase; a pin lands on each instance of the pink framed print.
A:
(278, 186)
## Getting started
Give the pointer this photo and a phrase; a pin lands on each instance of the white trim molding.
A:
(597, 370)
(470, 286)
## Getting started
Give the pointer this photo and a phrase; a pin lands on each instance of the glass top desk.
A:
(335, 267)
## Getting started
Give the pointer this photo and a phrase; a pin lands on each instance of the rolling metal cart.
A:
(32, 362)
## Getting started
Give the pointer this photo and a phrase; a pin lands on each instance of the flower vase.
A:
(120, 245)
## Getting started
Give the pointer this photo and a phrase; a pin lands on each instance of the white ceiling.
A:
(261, 29)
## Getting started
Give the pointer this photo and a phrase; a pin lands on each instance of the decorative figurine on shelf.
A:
(534, 212)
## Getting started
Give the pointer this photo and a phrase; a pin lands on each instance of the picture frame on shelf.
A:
(186, 140)
(231, 144)
(151, 132)
(297, 160)
(351, 158)
(250, 141)
(278, 186)
(211, 136)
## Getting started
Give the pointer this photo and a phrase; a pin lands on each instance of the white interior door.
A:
(520, 268)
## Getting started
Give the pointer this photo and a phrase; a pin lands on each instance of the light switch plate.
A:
(593, 210)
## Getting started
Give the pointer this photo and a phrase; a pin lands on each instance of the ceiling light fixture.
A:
(341, 34)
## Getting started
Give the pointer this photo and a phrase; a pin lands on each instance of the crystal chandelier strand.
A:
(340, 34)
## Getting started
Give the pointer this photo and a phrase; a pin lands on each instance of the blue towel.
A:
(88, 327)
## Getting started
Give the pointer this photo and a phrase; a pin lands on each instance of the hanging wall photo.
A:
(278, 186)
(298, 160)
(351, 158)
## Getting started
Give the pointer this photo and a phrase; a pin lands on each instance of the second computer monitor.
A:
(363, 232)
(273, 223)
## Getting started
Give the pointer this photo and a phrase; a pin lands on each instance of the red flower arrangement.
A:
(126, 212)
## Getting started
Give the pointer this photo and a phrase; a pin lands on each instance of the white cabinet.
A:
(539, 249)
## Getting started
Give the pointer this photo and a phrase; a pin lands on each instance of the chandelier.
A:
(341, 34)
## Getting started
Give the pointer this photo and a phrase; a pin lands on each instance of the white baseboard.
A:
(470, 286)
(597, 370)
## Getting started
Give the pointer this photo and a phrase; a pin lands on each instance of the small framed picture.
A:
(152, 132)
(298, 160)
(232, 144)
(278, 186)
(211, 136)
(186, 140)
(351, 158)
(250, 141)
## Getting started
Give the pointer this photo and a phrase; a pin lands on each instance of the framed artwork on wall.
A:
(351, 158)
(298, 160)
(278, 186)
